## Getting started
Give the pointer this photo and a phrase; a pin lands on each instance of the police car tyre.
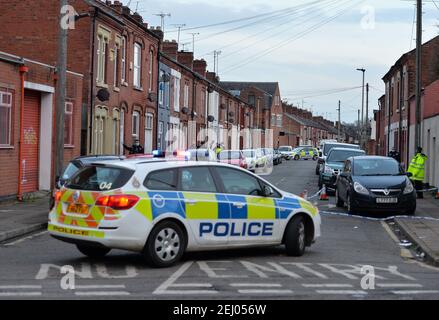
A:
(295, 237)
(339, 202)
(296, 158)
(93, 252)
(166, 245)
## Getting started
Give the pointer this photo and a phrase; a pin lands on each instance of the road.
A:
(334, 268)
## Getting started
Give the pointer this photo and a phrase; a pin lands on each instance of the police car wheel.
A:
(166, 245)
(93, 252)
(296, 158)
(295, 237)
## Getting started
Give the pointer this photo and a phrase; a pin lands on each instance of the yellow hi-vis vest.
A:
(417, 167)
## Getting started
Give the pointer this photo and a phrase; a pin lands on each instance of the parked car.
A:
(306, 153)
(233, 157)
(334, 164)
(277, 157)
(377, 184)
(201, 155)
(262, 158)
(251, 156)
(269, 154)
(287, 152)
(326, 147)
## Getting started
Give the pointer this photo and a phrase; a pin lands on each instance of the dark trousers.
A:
(419, 185)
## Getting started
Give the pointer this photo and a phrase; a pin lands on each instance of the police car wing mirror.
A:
(409, 174)
(267, 191)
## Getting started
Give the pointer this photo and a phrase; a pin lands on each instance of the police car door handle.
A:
(238, 205)
(190, 202)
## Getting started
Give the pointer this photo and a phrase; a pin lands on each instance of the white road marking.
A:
(342, 292)
(265, 291)
(20, 294)
(305, 267)
(163, 288)
(327, 285)
(262, 285)
(412, 292)
(399, 285)
(191, 285)
(100, 286)
(20, 287)
(102, 293)
(389, 232)
(24, 239)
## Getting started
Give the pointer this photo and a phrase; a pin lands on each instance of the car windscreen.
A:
(343, 155)
(226, 155)
(249, 153)
(287, 149)
(376, 167)
(329, 146)
(100, 178)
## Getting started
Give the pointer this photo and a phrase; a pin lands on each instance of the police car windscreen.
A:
(285, 149)
(100, 178)
(377, 167)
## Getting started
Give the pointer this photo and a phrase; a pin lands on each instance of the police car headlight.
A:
(329, 170)
(408, 187)
(360, 189)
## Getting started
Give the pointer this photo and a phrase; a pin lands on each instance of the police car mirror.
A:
(409, 174)
(267, 191)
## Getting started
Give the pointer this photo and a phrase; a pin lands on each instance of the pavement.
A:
(21, 218)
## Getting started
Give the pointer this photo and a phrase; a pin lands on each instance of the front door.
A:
(31, 141)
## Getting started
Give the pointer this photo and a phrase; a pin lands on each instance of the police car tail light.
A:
(118, 202)
(57, 196)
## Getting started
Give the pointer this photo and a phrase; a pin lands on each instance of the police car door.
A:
(253, 217)
(207, 212)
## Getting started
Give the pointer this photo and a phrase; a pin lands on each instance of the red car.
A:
(233, 157)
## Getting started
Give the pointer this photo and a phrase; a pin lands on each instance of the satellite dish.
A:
(103, 95)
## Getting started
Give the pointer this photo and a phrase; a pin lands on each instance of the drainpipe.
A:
(92, 81)
(23, 71)
(159, 52)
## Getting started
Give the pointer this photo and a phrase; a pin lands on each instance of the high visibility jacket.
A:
(302, 153)
(218, 150)
(417, 167)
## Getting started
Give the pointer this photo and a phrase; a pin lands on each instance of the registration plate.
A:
(387, 200)
(77, 208)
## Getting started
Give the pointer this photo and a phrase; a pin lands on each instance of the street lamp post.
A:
(362, 106)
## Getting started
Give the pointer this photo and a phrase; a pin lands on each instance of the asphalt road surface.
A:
(354, 259)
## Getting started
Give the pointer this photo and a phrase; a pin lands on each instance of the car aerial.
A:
(201, 155)
(375, 184)
(326, 147)
(287, 152)
(233, 157)
(251, 157)
(306, 153)
(277, 157)
(162, 209)
(334, 164)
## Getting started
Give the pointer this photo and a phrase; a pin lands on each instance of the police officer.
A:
(395, 155)
(136, 148)
(417, 169)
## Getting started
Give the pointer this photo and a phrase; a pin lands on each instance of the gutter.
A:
(92, 81)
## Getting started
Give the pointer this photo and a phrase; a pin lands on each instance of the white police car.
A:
(162, 209)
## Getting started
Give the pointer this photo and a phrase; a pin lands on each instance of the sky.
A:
(312, 48)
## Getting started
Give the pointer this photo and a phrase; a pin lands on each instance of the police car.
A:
(163, 208)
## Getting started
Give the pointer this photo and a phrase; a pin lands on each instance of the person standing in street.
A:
(136, 148)
(417, 169)
(395, 155)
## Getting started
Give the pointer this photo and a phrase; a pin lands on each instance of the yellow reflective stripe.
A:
(261, 208)
(96, 214)
(76, 232)
(145, 208)
(88, 198)
(308, 206)
(206, 206)
(66, 195)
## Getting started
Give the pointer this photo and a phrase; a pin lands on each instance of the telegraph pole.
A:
(179, 26)
(216, 61)
(367, 111)
(358, 123)
(339, 118)
(61, 71)
(418, 72)
(193, 40)
(362, 106)
(162, 19)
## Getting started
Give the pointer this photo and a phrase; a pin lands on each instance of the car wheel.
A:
(317, 170)
(352, 209)
(320, 183)
(166, 245)
(93, 252)
(315, 158)
(340, 203)
(295, 237)
(296, 158)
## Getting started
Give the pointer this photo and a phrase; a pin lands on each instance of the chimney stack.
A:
(212, 77)
(186, 58)
(170, 48)
(200, 67)
(158, 32)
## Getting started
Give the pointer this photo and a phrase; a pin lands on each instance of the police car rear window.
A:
(100, 178)
(163, 180)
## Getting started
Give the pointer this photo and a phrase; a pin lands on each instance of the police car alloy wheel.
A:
(296, 158)
(295, 237)
(93, 252)
(166, 245)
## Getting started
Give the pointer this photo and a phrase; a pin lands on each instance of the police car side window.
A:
(197, 179)
(237, 182)
(163, 180)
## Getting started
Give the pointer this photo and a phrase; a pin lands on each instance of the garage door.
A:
(31, 141)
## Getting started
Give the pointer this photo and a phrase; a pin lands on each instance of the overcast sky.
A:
(310, 47)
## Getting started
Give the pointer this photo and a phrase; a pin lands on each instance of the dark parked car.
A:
(377, 184)
(277, 157)
(326, 147)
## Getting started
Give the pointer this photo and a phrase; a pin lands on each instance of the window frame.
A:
(70, 113)
(137, 66)
(9, 106)
(176, 179)
(218, 186)
(136, 114)
(123, 59)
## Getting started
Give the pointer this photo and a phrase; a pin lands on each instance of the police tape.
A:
(315, 195)
(428, 190)
(341, 214)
